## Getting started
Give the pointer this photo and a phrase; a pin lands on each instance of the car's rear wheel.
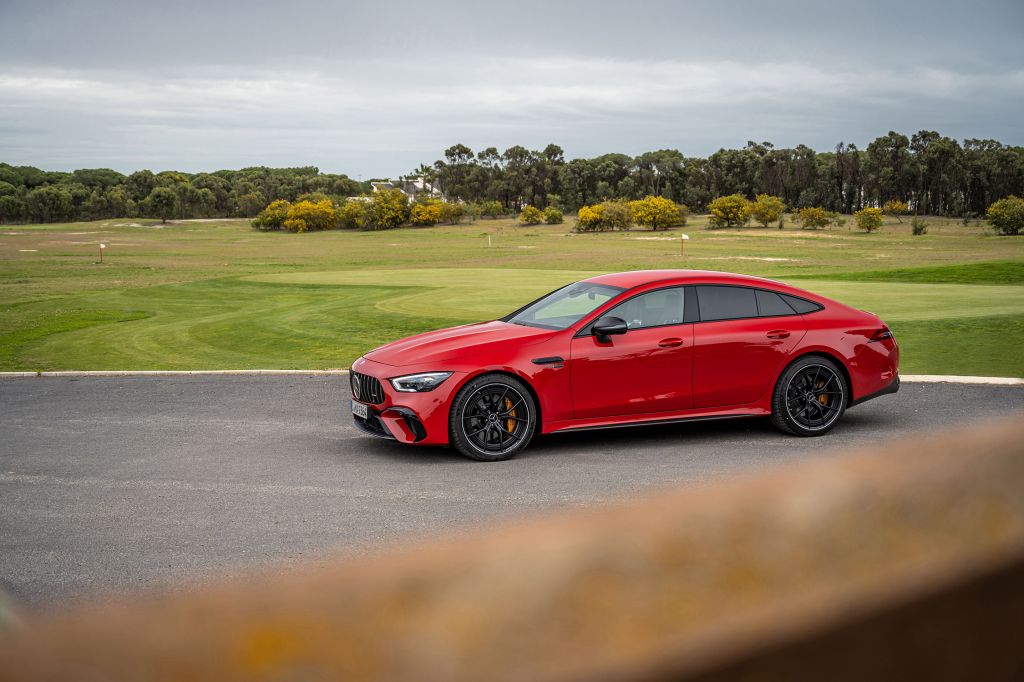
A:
(492, 418)
(810, 397)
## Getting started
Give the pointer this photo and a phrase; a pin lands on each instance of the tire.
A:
(810, 397)
(493, 417)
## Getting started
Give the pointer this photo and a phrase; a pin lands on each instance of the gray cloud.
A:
(376, 90)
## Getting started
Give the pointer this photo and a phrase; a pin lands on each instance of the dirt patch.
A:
(768, 259)
(207, 220)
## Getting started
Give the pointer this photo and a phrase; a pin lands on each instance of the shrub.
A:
(1007, 215)
(492, 209)
(869, 219)
(354, 214)
(553, 215)
(426, 213)
(767, 209)
(474, 211)
(531, 215)
(273, 216)
(895, 208)
(813, 217)
(389, 208)
(608, 215)
(918, 226)
(588, 219)
(729, 211)
(656, 212)
(616, 215)
(452, 212)
(304, 216)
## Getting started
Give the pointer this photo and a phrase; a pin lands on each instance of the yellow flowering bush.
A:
(657, 212)
(813, 217)
(766, 209)
(729, 211)
(426, 213)
(869, 219)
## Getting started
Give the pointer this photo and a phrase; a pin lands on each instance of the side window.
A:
(726, 303)
(801, 305)
(653, 309)
(770, 304)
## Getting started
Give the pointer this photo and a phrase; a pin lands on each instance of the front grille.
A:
(366, 389)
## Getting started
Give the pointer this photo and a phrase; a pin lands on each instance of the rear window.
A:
(725, 303)
(770, 304)
(801, 305)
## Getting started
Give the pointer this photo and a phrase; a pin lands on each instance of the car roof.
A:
(635, 278)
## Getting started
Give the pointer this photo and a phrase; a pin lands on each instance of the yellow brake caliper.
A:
(823, 398)
(510, 424)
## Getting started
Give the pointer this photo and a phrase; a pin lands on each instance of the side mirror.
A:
(608, 326)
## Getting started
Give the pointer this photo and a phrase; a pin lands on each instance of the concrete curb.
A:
(953, 379)
(908, 378)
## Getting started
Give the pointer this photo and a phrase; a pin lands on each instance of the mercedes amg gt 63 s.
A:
(626, 349)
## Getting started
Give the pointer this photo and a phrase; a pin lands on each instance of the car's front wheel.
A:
(810, 397)
(492, 418)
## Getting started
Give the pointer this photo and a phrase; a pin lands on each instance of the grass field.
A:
(217, 294)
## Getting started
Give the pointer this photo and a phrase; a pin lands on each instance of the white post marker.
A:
(682, 244)
(102, 247)
(488, 240)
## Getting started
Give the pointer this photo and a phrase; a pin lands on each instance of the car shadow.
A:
(685, 433)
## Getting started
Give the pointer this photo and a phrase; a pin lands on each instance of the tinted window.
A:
(726, 303)
(801, 305)
(653, 309)
(770, 304)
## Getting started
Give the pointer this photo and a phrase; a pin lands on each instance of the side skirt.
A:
(654, 422)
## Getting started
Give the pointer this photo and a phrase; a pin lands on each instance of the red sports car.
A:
(627, 349)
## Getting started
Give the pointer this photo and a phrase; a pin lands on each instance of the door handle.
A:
(778, 334)
(670, 343)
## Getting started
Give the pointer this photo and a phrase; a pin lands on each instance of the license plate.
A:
(360, 410)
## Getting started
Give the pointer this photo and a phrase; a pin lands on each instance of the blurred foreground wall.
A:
(902, 562)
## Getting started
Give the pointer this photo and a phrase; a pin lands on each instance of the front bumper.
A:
(417, 418)
(392, 423)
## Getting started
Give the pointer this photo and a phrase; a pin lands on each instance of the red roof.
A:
(635, 278)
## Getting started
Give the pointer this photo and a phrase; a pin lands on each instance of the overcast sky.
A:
(375, 88)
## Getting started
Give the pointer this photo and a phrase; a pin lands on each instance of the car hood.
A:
(456, 342)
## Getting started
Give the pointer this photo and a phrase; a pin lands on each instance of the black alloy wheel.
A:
(810, 397)
(493, 418)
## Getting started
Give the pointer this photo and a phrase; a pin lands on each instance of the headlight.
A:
(419, 383)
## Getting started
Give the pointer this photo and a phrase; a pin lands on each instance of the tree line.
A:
(28, 194)
(931, 173)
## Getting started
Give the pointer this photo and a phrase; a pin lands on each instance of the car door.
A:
(737, 350)
(647, 369)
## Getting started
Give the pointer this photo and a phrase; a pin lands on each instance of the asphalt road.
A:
(119, 483)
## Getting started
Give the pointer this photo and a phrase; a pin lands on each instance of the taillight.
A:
(883, 333)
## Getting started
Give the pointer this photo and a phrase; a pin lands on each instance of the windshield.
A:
(564, 307)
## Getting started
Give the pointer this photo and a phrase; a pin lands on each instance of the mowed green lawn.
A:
(216, 294)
